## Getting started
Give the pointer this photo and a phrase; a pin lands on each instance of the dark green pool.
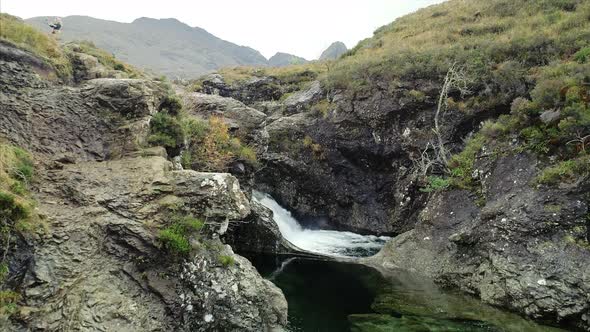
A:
(338, 297)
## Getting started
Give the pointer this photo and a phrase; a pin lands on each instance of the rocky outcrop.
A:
(524, 249)
(103, 198)
(301, 101)
(102, 119)
(259, 233)
(352, 163)
(250, 91)
(240, 118)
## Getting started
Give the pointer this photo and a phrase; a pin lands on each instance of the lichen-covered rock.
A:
(217, 195)
(229, 296)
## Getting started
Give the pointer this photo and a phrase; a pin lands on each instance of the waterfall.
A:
(333, 243)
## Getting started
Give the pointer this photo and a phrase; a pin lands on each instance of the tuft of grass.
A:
(16, 210)
(226, 260)
(212, 148)
(583, 55)
(8, 300)
(321, 108)
(15, 31)
(176, 237)
(461, 164)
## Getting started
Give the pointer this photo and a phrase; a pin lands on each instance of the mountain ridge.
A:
(146, 43)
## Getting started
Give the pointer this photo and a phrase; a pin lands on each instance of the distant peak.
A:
(156, 20)
(334, 51)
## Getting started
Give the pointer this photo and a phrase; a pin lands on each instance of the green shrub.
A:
(174, 242)
(171, 105)
(436, 183)
(12, 208)
(226, 260)
(565, 171)
(8, 300)
(3, 272)
(166, 131)
(583, 55)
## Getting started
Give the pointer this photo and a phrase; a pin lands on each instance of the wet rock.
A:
(258, 233)
(376, 322)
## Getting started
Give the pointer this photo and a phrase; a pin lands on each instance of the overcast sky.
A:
(302, 27)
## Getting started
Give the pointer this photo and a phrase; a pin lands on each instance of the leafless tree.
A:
(580, 140)
(455, 80)
(436, 154)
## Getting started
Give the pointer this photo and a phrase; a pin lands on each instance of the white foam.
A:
(325, 242)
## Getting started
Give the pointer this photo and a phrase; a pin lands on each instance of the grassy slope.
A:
(476, 33)
(13, 30)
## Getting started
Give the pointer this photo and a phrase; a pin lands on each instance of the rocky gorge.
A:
(467, 154)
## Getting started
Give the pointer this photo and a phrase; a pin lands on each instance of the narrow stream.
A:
(329, 296)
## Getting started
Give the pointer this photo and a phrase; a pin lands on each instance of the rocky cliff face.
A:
(350, 161)
(103, 196)
(523, 249)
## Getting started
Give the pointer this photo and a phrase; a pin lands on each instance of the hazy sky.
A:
(302, 27)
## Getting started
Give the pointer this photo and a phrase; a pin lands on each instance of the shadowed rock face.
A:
(104, 198)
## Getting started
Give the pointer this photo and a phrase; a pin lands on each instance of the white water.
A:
(333, 243)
